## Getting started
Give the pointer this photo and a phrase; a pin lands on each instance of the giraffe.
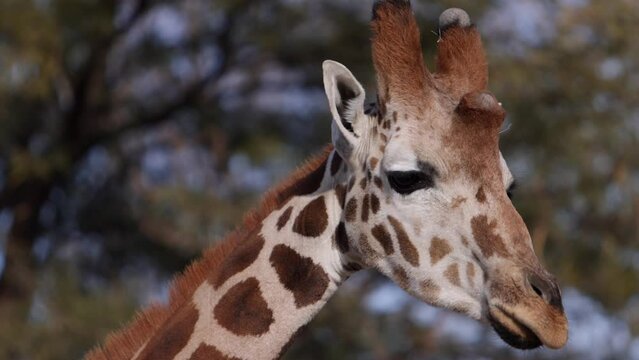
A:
(414, 187)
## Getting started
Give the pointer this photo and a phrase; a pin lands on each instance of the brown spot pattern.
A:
(243, 310)
(365, 248)
(401, 277)
(313, 219)
(383, 237)
(352, 267)
(304, 186)
(210, 352)
(488, 241)
(175, 334)
(406, 247)
(452, 274)
(378, 182)
(239, 259)
(363, 183)
(351, 183)
(283, 219)
(374, 203)
(462, 308)
(429, 289)
(374, 161)
(340, 193)
(457, 201)
(306, 280)
(351, 210)
(365, 208)
(465, 241)
(438, 249)
(470, 273)
(335, 163)
(480, 195)
(341, 238)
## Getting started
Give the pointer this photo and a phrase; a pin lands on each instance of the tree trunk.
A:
(18, 279)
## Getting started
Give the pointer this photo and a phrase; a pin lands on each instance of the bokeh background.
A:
(135, 133)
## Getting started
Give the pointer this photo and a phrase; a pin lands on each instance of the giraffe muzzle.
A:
(529, 314)
(512, 331)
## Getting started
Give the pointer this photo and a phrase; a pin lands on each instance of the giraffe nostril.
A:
(545, 288)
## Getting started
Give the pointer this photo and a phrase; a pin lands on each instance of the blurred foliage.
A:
(135, 133)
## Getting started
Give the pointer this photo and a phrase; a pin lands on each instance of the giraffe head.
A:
(427, 200)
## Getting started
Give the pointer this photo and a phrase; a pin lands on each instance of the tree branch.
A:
(190, 94)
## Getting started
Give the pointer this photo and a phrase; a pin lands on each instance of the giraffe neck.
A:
(270, 285)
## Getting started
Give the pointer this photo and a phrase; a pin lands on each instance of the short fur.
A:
(461, 62)
(124, 343)
(397, 53)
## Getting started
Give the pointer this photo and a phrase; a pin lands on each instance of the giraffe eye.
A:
(405, 182)
(511, 190)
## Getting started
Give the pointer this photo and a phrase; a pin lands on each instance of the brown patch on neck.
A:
(340, 193)
(470, 273)
(351, 183)
(341, 238)
(452, 274)
(406, 247)
(283, 219)
(366, 249)
(351, 210)
(457, 201)
(365, 207)
(306, 280)
(210, 352)
(313, 219)
(373, 163)
(363, 183)
(374, 203)
(243, 310)
(378, 182)
(124, 343)
(429, 290)
(401, 277)
(239, 259)
(175, 334)
(487, 239)
(352, 267)
(464, 241)
(438, 249)
(480, 195)
(384, 238)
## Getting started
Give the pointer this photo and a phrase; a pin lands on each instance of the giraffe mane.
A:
(126, 342)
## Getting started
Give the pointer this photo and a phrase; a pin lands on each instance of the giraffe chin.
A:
(512, 331)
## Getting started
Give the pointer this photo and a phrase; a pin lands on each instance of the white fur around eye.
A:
(397, 160)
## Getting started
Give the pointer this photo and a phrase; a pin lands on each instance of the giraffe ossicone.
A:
(414, 187)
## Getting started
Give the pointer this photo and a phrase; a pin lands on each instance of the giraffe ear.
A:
(346, 100)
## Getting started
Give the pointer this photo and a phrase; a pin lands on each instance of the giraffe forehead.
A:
(410, 152)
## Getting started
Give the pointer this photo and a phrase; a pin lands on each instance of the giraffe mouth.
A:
(512, 331)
